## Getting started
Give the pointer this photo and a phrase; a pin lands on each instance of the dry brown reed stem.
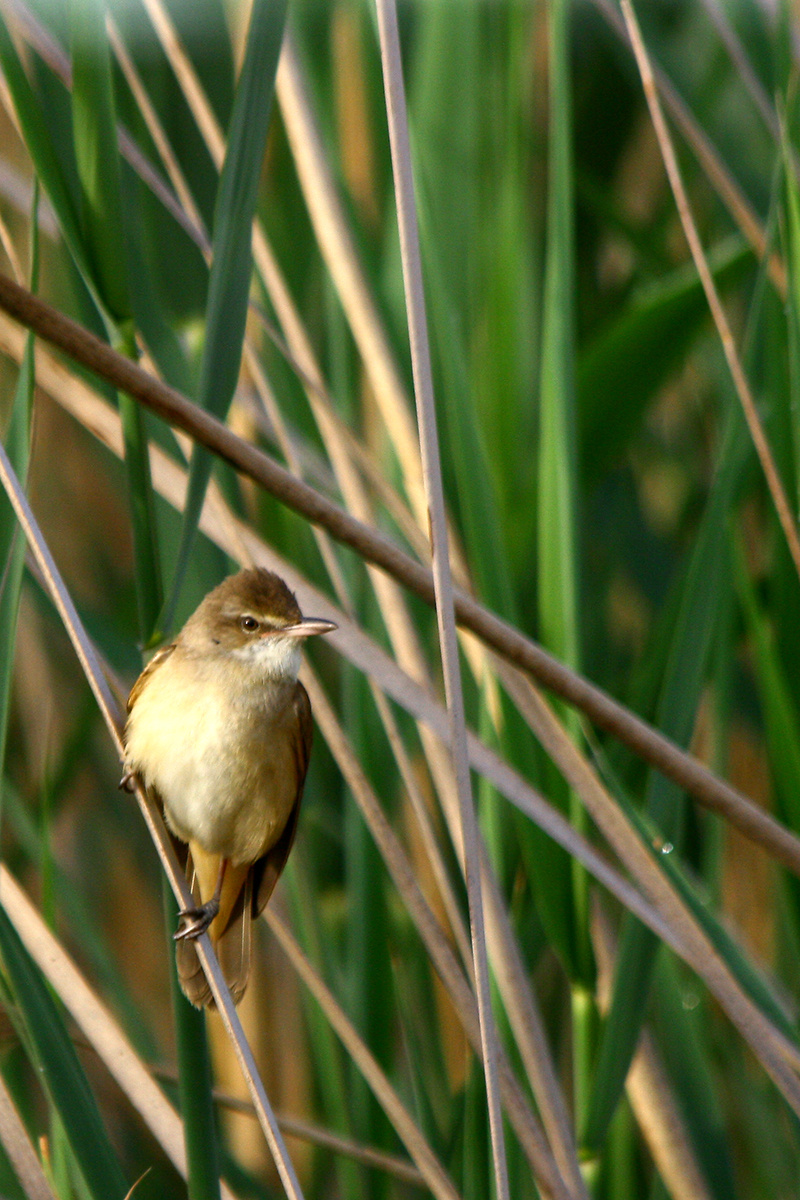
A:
(91, 668)
(651, 745)
(740, 381)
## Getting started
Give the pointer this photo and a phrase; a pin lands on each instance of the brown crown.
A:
(256, 591)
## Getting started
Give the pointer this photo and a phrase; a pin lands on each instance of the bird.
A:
(219, 728)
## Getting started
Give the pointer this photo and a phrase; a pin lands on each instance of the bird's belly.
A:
(226, 777)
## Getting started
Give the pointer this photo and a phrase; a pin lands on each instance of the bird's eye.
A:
(249, 624)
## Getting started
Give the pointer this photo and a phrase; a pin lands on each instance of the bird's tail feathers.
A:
(233, 947)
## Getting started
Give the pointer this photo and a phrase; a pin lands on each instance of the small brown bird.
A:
(220, 728)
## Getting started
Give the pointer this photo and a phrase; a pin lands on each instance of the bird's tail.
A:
(232, 946)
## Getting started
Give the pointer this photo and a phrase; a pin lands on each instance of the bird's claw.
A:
(195, 921)
(128, 782)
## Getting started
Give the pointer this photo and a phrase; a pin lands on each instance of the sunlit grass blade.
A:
(556, 539)
(231, 267)
(59, 1069)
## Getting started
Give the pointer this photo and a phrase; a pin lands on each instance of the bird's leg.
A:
(197, 920)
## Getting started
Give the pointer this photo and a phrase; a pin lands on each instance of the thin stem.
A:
(443, 584)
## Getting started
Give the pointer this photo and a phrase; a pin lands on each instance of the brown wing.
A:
(155, 662)
(267, 870)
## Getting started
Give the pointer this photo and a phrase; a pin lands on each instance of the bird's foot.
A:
(128, 782)
(195, 921)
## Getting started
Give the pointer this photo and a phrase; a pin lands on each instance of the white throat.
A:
(274, 657)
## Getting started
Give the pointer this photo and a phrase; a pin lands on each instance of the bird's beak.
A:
(307, 627)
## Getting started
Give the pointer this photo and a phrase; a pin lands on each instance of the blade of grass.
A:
(488, 558)
(440, 954)
(698, 903)
(59, 1069)
(650, 1094)
(692, 1070)
(102, 266)
(96, 157)
(231, 266)
(194, 1079)
(792, 238)
(556, 537)
(332, 1078)
(682, 687)
(775, 1050)
(52, 53)
(48, 169)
